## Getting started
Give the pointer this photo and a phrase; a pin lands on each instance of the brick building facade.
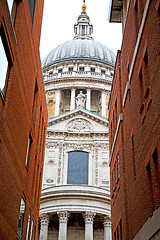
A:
(23, 118)
(134, 122)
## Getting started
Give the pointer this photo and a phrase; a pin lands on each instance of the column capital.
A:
(89, 216)
(63, 216)
(107, 221)
(44, 218)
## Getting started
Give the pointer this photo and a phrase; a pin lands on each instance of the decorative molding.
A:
(107, 221)
(96, 164)
(60, 162)
(63, 216)
(89, 216)
(44, 218)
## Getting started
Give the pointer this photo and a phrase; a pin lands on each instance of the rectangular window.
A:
(81, 69)
(35, 99)
(21, 219)
(28, 226)
(117, 232)
(120, 230)
(70, 69)
(133, 157)
(77, 167)
(32, 4)
(102, 72)
(113, 181)
(118, 172)
(59, 70)
(115, 174)
(34, 238)
(28, 151)
(92, 69)
(31, 230)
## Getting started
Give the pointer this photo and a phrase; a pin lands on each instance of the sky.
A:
(60, 16)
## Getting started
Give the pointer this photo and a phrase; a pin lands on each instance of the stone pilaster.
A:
(89, 216)
(44, 226)
(57, 106)
(88, 102)
(63, 218)
(103, 110)
(107, 228)
(73, 99)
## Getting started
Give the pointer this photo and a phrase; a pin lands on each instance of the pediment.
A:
(78, 121)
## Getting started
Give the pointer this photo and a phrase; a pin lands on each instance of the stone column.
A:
(57, 103)
(72, 105)
(44, 226)
(103, 110)
(107, 228)
(63, 218)
(88, 102)
(89, 225)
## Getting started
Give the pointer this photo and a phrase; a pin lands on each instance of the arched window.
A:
(77, 167)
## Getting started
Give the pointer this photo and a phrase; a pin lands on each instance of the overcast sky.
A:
(60, 16)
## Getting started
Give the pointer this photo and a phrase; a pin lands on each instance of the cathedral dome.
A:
(80, 49)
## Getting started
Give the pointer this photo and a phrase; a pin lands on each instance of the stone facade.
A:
(76, 202)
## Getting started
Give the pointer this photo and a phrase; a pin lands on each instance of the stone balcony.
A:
(77, 74)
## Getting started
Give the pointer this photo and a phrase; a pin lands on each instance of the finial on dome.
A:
(84, 7)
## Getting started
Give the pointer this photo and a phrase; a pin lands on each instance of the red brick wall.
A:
(17, 120)
(139, 134)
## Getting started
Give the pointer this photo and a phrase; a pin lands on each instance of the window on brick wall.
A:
(117, 230)
(133, 158)
(116, 111)
(35, 99)
(115, 174)
(156, 178)
(21, 219)
(31, 230)
(34, 238)
(113, 181)
(29, 144)
(118, 170)
(32, 4)
(28, 226)
(120, 230)
(5, 64)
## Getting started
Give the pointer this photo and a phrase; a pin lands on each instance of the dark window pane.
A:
(77, 168)
(21, 218)
(32, 4)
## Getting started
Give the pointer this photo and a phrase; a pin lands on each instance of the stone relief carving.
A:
(80, 125)
(78, 146)
(60, 162)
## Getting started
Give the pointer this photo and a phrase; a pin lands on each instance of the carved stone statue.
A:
(80, 100)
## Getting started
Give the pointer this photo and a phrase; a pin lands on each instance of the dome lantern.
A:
(83, 29)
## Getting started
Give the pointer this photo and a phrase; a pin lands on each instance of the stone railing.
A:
(77, 74)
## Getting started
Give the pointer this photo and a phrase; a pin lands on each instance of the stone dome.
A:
(80, 49)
